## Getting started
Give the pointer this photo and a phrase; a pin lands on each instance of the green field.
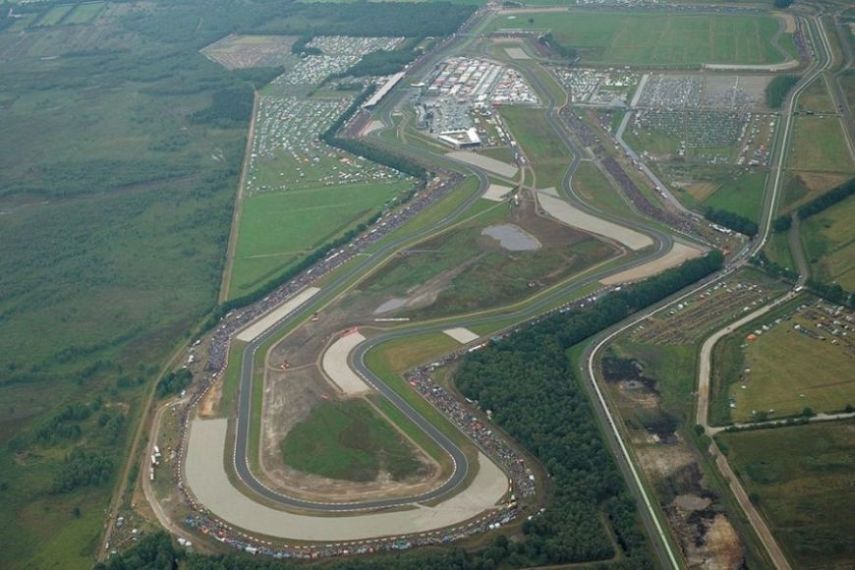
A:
(819, 144)
(348, 440)
(84, 13)
(548, 154)
(778, 250)
(463, 271)
(54, 16)
(278, 228)
(662, 39)
(593, 186)
(829, 238)
(801, 479)
(802, 187)
(815, 98)
(784, 370)
(742, 195)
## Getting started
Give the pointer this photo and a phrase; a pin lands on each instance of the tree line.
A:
(566, 52)
(731, 220)
(827, 200)
(777, 89)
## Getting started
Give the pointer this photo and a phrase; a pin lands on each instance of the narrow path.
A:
(239, 197)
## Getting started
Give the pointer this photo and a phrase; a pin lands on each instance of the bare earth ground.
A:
(294, 384)
(678, 254)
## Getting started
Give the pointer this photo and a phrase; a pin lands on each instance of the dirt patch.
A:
(700, 191)
(678, 254)
(426, 294)
(789, 22)
(211, 402)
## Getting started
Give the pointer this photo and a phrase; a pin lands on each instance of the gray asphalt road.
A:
(241, 461)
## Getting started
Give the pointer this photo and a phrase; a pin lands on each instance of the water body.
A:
(512, 238)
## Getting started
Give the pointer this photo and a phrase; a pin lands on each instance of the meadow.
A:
(782, 371)
(110, 248)
(741, 194)
(659, 39)
(278, 228)
(463, 270)
(801, 479)
(549, 156)
(828, 238)
(348, 440)
(819, 144)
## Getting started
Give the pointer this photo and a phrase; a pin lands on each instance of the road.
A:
(342, 281)
(590, 355)
(333, 290)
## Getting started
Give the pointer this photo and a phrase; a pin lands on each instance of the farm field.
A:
(737, 190)
(802, 187)
(801, 478)
(278, 228)
(795, 358)
(819, 144)
(665, 39)
(54, 16)
(85, 13)
(743, 196)
(349, 440)
(816, 98)
(828, 239)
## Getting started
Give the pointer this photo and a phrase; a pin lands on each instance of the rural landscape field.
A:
(451, 284)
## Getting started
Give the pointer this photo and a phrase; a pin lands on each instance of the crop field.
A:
(816, 98)
(801, 478)
(828, 239)
(802, 187)
(466, 270)
(797, 358)
(349, 440)
(278, 228)
(85, 13)
(54, 16)
(665, 39)
(819, 144)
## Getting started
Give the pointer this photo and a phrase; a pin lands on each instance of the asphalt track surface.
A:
(614, 437)
(460, 462)
(663, 241)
